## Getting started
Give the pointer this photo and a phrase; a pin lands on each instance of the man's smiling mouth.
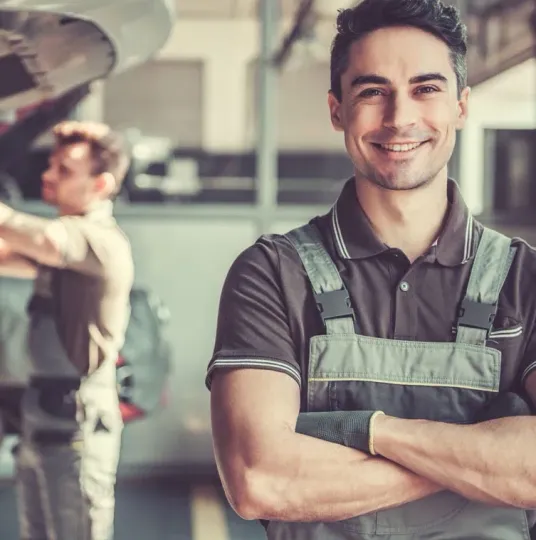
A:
(400, 147)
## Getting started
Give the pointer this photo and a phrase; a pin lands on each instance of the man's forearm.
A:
(312, 480)
(32, 236)
(491, 462)
(349, 483)
(271, 472)
(17, 266)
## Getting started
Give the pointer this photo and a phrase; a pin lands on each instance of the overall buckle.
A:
(476, 314)
(335, 305)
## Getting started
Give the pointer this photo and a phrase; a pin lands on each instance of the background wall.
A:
(505, 102)
(221, 97)
(204, 81)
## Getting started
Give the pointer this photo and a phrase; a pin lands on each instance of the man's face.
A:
(400, 108)
(68, 182)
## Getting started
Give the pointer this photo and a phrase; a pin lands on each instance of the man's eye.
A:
(370, 92)
(426, 89)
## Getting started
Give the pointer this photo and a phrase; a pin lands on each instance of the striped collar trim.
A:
(337, 234)
(468, 249)
(355, 239)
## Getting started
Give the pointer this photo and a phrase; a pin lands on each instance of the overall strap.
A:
(331, 295)
(493, 259)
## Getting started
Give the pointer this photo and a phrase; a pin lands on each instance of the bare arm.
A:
(36, 238)
(492, 462)
(271, 472)
(66, 242)
(17, 267)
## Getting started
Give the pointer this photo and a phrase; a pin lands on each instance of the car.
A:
(50, 52)
(50, 48)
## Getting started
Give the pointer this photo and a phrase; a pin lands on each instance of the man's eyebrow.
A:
(371, 78)
(427, 77)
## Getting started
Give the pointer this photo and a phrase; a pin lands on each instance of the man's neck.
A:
(408, 220)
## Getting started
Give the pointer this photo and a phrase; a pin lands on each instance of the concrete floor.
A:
(159, 509)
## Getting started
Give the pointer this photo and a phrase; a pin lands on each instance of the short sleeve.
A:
(253, 328)
(90, 247)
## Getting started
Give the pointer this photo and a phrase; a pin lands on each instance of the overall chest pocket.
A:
(436, 381)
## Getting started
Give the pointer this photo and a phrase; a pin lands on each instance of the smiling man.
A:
(374, 370)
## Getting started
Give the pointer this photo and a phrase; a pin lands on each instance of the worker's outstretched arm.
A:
(70, 242)
(17, 267)
(31, 236)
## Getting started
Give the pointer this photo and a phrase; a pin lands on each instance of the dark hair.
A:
(432, 16)
(108, 150)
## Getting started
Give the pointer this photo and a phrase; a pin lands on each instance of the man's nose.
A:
(401, 112)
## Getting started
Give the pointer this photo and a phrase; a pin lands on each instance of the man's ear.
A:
(335, 111)
(105, 184)
(463, 108)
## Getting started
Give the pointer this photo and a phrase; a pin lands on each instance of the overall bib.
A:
(446, 382)
(70, 442)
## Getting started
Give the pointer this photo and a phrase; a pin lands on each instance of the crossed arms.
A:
(271, 472)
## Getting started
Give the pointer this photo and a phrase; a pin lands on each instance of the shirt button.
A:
(404, 286)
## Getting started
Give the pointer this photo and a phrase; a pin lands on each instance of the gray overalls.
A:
(347, 370)
(71, 434)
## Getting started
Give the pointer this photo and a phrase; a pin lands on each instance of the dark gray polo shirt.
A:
(90, 292)
(268, 314)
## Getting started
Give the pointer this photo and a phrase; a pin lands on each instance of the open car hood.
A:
(51, 51)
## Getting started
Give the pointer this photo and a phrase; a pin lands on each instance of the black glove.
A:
(503, 406)
(349, 428)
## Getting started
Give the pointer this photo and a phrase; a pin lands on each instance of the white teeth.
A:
(400, 147)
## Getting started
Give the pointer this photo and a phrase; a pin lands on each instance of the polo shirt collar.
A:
(101, 211)
(355, 239)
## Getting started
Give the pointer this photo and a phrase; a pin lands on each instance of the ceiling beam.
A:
(303, 19)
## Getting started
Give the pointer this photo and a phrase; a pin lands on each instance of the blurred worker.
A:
(71, 423)
(373, 369)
